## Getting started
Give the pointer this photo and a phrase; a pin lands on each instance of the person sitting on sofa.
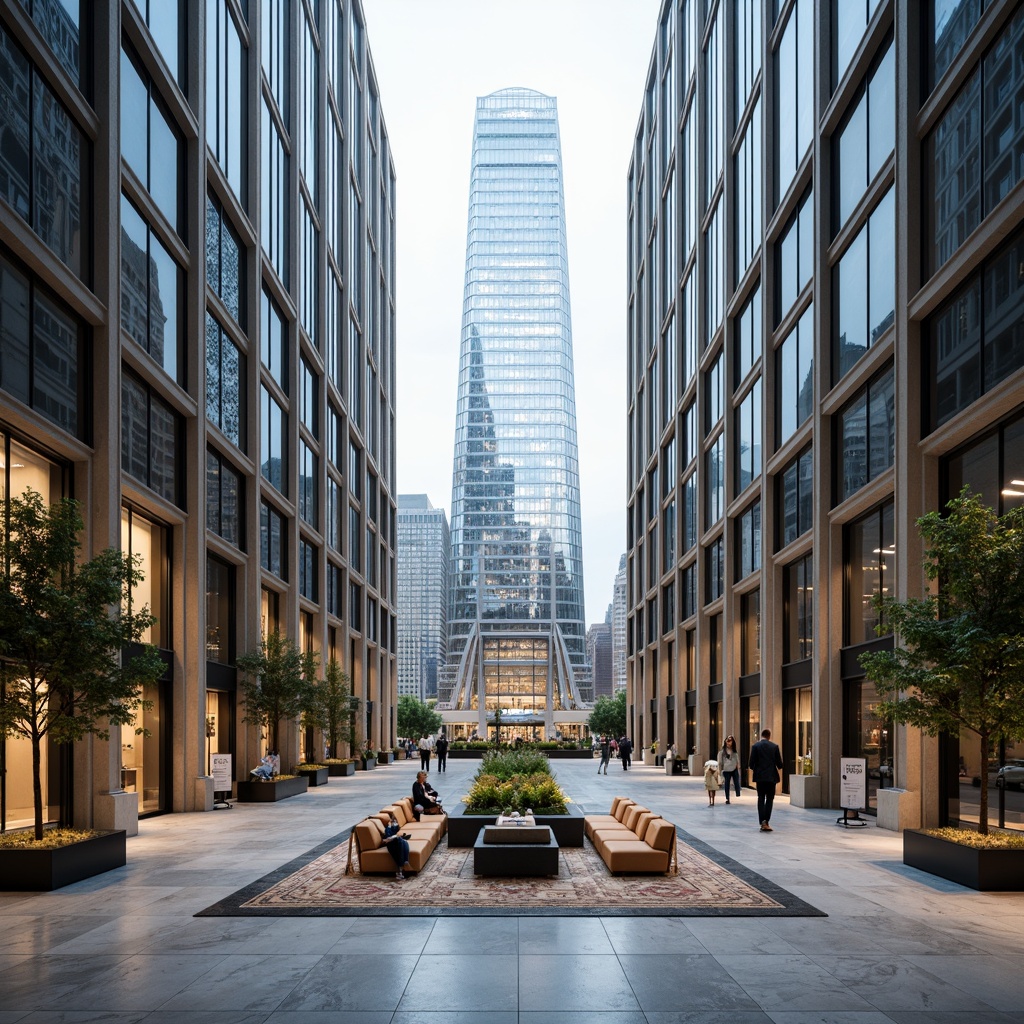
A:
(398, 846)
(424, 797)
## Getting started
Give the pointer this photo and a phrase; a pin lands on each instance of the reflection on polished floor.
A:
(898, 945)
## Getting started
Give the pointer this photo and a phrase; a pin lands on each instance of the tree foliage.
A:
(330, 706)
(416, 718)
(274, 683)
(958, 662)
(64, 630)
(609, 715)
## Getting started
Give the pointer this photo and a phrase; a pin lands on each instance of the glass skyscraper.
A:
(516, 622)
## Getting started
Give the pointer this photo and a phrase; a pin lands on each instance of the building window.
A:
(794, 96)
(355, 470)
(274, 340)
(794, 378)
(307, 570)
(690, 512)
(152, 289)
(356, 246)
(748, 537)
(220, 611)
(974, 153)
(714, 393)
(750, 637)
(668, 536)
(150, 438)
(44, 167)
(867, 435)
(274, 202)
(714, 95)
(796, 497)
(226, 92)
(333, 590)
(747, 337)
(870, 571)
(68, 37)
(309, 395)
(146, 542)
(334, 525)
(849, 22)
(865, 140)
(715, 644)
(355, 606)
(273, 441)
(863, 286)
(355, 556)
(272, 541)
(748, 49)
(794, 258)
(715, 569)
(225, 261)
(308, 475)
(44, 356)
(225, 499)
(310, 110)
(747, 438)
(993, 468)
(977, 339)
(225, 383)
(276, 19)
(714, 480)
(309, 297)
(798, 610)
(748, 192)
(715, 254)
(151, 144)
(688, 594)
(951, 25)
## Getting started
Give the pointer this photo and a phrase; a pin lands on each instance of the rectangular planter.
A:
(463, 828)
(270, 792)
(45, 870)
(987, 870)
(385, 758)
(317, 778)
(338, 770)
(366, 766)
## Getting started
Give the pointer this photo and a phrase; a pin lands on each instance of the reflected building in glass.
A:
(516, 622)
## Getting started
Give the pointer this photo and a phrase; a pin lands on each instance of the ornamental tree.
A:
(609, 715)
(330, 706)
(415, 719)
(958, 661)
(275, 683)
(65, 630)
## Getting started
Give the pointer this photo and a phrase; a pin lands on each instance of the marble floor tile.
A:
(487, 935)
(473, 982)
(360, 981)
(581, 982)
(565, 935)
(791, 982)
(684, 982)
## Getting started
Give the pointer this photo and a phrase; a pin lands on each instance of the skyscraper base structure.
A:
(517, 648)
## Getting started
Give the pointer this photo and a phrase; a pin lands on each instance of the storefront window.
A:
(869, 737)
(147, 542)
(797, 752)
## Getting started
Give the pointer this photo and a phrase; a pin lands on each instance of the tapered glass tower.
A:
(516, 621)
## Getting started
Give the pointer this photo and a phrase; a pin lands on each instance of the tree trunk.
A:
(37, 784)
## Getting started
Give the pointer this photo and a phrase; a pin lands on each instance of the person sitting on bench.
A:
(424, 797)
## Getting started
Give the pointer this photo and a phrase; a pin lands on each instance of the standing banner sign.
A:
(853, 773)
(220, 768)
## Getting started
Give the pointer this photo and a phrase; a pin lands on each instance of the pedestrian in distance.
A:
(606, 753)
(425, 748)
(712, 780)
(441, 749)
(625, 752)
(729, 765)
(765, 763)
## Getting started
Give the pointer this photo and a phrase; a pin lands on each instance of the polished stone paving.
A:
(898, 945)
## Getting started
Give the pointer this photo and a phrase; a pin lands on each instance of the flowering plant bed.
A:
(317, 774)
(278, 788)
(52, 864)
(340, 766)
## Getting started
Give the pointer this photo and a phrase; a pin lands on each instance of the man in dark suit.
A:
(765, 762)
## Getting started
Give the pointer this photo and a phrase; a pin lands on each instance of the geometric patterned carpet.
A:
(708, 885)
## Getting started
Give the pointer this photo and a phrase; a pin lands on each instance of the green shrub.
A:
(489, 794)
(506, 763)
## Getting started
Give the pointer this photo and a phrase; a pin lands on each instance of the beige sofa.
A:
(424, 835)
(632, 839)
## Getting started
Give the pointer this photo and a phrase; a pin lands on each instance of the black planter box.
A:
(463, 828)
(317, 778)
(366, 765)
(385, 758)
(569, 755)
(338, 770)
(44, 870)
(270, 792)
(987, 870)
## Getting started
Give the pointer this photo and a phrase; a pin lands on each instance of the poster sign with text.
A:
(220, 769)
(853, 776)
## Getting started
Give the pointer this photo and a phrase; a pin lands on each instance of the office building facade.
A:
(424, 547)
(825, 342)
(599, 657)
(620, 620)
(197, 316)
(516, 621)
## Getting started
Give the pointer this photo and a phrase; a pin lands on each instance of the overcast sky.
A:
(433, 58)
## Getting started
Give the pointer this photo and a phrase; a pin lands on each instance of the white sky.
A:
(433, 58)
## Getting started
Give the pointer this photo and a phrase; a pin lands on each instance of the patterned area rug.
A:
(708, 884)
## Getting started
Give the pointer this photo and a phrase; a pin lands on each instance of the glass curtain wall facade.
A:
(824, 334)
(197, 341)
(424, 548)
(516, 620)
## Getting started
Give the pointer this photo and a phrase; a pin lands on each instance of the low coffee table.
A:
(515, 851)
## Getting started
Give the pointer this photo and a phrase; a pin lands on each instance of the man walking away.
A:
(441, 749)
(606, 753)
(425, 746)
(625, 750)
(765, 762)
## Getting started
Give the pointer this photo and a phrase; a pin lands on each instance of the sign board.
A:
(220, 769)
(853, 777)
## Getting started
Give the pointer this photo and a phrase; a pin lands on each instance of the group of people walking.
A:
(765, 762)
(623, 747)
(429, 745)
